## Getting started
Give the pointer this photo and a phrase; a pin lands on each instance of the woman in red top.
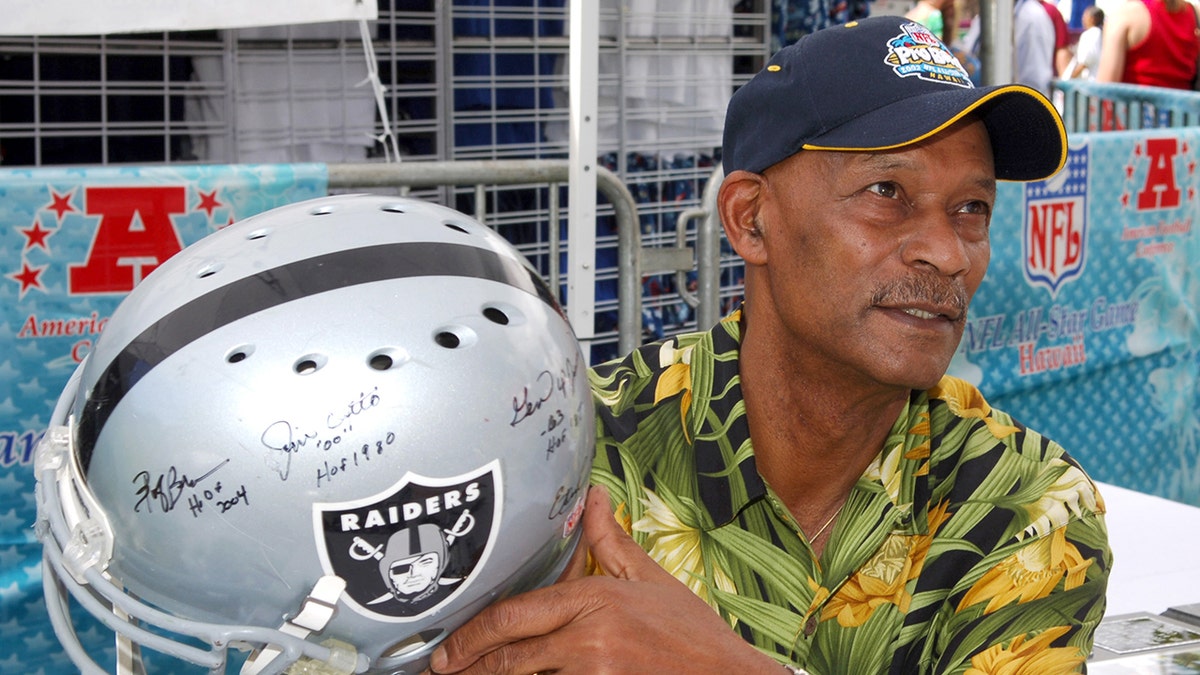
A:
(1151, 42)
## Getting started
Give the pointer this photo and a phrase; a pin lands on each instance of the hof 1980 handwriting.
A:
(290, 438)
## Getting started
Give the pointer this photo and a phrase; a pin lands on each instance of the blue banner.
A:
(73, 242)
(1086, 327)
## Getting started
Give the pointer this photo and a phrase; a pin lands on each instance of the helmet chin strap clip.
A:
(315, 613)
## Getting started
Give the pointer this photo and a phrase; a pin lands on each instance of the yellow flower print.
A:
(819, 593)
(1030, 573)
(964, 400)
(884, 578)
(621, 515)
(881, 581)
(1032, 657)
(675, 378)
(676, 548)
(885, 469)
(922, 427)
(1071, 493)
(921, 450)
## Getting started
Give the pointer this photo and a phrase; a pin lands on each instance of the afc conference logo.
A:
(1054, 241)
(79, 247)
(134, 233)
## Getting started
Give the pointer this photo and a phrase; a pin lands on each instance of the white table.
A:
(1156, 552)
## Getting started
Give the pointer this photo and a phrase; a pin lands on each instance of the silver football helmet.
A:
(326, 435)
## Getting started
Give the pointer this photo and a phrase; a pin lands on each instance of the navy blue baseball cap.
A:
(879, 84)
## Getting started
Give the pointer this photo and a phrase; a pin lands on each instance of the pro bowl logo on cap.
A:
(918, 52)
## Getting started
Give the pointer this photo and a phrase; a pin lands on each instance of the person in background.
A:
(1085, 63)
(1150, 42)
(801, 488)
(1062, 38)
(1033, 45)
(937, 16)
(1073, 11)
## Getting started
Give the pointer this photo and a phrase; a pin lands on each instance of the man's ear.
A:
(739, 202)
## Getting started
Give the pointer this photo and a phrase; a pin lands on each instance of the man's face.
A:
(872, 258)
(415, 573)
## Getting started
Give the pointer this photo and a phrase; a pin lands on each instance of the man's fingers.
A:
(549, 653)
(509, 632)
(520, 617)
(612, 548)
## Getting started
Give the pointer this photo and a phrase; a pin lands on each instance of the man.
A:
(1062, 38)
(1151, 43)
(1086, 60)
(937, 16)
(804, 468)
(1033, 45)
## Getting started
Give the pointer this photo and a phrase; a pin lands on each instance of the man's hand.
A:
(639, 619)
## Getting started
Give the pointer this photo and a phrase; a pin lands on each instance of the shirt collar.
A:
(727, 475)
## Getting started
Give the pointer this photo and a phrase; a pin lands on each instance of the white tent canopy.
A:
(88, 17)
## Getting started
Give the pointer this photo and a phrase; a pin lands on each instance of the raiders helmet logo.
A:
(411, 549)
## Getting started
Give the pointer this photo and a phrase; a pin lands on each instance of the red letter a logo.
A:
(134, 236)
(1160, 191)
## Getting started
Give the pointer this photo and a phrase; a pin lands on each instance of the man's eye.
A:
(981, 208)
(885, 189)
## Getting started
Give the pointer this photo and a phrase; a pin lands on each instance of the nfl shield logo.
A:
(412, 548)
(1054, 242)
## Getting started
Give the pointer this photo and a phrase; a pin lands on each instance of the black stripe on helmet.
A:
(280, 285)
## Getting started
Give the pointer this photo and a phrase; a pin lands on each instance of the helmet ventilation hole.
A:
(392, 208)
(447, 339)
(496, 315)
(321, 210)
(455, 226)
(259, 234)
(239, 354)
(307, 365)
(386, 359)
(209, 270)
(455, 336)
(503, 314)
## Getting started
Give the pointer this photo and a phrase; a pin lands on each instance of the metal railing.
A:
(633, 259)
(1107, 106)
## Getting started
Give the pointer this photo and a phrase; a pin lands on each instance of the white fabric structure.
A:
(299, 100)
(82, 17)
(670, 90)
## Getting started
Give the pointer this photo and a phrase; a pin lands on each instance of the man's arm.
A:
(1120, 31)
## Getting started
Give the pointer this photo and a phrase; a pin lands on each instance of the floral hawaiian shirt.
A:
(970, 545)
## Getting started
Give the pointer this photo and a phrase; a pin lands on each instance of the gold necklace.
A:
(813, 539)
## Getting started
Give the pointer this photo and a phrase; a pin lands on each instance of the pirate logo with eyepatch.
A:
(411, 549)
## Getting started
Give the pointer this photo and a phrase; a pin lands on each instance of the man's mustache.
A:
(949, 297)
